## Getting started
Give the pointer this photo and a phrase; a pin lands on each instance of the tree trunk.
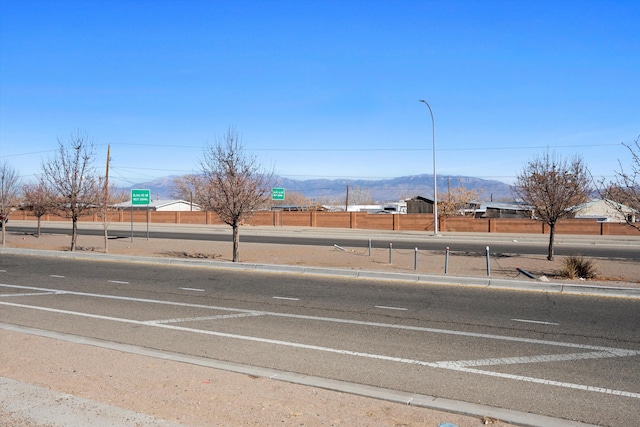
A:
(236, 241)
(74, 233)
(38, 230)
(552, 235)
(106, 240)
(2, 224)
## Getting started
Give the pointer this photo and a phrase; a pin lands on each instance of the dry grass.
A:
(579, 267)
(196, 255)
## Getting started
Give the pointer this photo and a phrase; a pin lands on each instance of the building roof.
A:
(595, 202)
(161, 204)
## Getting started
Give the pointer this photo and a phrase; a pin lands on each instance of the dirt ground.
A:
(199, 396)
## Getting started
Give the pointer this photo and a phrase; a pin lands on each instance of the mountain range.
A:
(383, 190)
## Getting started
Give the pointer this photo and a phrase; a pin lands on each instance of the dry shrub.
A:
(578, 267)
(184, 254)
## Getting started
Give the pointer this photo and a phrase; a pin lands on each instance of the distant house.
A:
(299, 208)
(399, 207)
(162, 206)
(420, 204)
(504, 210)
(386, 208)
(604, 210)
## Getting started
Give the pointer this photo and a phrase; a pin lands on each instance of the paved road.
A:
(565, 356)
(591, 246)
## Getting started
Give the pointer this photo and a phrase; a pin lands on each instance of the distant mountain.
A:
(161, 188)
(383, 190)
(396, 188)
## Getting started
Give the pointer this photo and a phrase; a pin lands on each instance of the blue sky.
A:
(321, 89)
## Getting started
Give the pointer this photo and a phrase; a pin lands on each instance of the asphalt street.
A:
(618, 247)
(566, 356)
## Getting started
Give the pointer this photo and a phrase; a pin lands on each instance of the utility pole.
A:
(106, 179)
(435, 181)
(346, 201)
(105, 202)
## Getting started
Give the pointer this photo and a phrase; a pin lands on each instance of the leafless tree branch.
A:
(73, 181)
(232, 183)
(623, 194)
(553, 187)
(9, 194)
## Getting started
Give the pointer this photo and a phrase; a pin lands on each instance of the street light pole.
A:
(435, 182)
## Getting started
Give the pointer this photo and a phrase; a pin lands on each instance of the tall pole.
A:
(346, 201)
(106, 179)
(435, 182)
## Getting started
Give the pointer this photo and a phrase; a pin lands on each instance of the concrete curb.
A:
(533, 286)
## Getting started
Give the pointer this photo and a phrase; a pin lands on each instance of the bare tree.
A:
(459, 201)
(9, 194)
(37, 197)
(358, 196)
(624, 192)
(184, 187)
(293, 198)
(232, 184)
(74, 182)
(553, 187)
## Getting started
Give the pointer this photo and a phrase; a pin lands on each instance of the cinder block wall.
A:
(361, 220)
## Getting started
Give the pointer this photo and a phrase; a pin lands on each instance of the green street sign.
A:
(277, 194)
(140, 197)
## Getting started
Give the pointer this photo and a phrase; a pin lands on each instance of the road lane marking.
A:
(539, 322)
(600, 352)
(119, 282)
(547, 382)
(287, 298)
(192, 289)
(328, 319)
(27, 294)
(384, 307)
(57, 276)
(381, 357)
(204, 318)
(540, 359)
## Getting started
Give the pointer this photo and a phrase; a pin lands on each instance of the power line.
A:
(26, 154)
(428, 149)
(368, 149)
(136, 168)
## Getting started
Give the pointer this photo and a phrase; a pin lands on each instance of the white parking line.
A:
(539, 359)
(199, 319)
(539, 322)
(192, 289)
(119, 282)
(384, 307)
(27, 294)
(56, 276)
(287, 298)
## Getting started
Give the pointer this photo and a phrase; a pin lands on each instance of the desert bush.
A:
(576, 266)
